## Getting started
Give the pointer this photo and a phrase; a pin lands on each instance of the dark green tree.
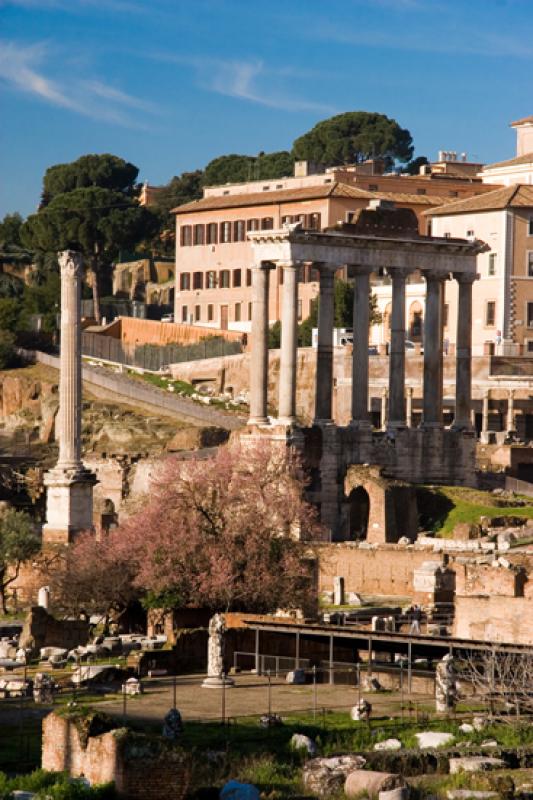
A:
(8, 355)
(104, 170)
(344, 292)
(238, 168)
(353, 137)
(98, 222)
(10, 231)
(18, 543)
(413, 167)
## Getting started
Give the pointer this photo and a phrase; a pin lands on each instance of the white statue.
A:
(215, 654)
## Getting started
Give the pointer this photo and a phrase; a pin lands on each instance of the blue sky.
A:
(171, 84)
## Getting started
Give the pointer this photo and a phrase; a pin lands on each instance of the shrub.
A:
(7, 349)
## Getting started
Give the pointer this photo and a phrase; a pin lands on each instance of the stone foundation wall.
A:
(141, 768)
(484, 579)
(384, 571)
(41, 629)
(494, 619)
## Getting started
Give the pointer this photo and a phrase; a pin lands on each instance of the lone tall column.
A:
(69, 501)
(259, 354)
(463, 353)
(432, 402)
(324, 352)
(510, 424)
(484, 436)
(397, 352)
(360, 350)
(289, 345)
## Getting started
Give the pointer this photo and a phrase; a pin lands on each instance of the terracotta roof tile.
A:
(522, 121)
(421, 199)
(335, 189)
(515, 196)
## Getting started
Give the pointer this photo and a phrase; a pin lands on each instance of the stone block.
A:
(371, 782)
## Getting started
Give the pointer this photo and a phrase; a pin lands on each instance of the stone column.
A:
(384, 393)
(360, 418)
(397, 352)
(69, 501)
(259, 353)
(510, 423)
(409, 408)
(463, 353)
(484, 436)
(324, 353)
(289, 345)
(432, 401)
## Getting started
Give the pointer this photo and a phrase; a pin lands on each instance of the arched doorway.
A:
(359, 511)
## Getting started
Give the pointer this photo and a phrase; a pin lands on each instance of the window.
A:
(252, 225)
(239, 232)
(266, 188)
(372, 187)
(530, 264)
(454, 194)
(199, 234)
(530, 226)
(267, 223)
(197, 313)
(184, 313)
(530, 315)
(285, 220)
(421, 191)
(490, 313)
(470, 234)
(226, 191)
(211, 280)
(492, 264)
(185, 281)
(211, 233)
(236, 277)
(197, 280)
(529, 345)
(313, 221)
(447, 235)
(186, 235)
(445, 315)
(223, 279)
(237, 312)
(210, 312)
(250, 311)
(248, 277)
(279, 186)
(225, 232)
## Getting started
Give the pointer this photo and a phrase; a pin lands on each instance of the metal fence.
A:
(155, 358)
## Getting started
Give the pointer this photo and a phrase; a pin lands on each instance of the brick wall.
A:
(387, 571)
(142, 767)
(494, 619)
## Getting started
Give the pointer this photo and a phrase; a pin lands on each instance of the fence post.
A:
(314, 692)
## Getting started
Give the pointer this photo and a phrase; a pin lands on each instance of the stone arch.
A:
(416, 321)
(359, 511)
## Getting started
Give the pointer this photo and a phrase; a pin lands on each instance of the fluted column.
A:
(432, 401)
(289, 345)
(463, 353)
(324, 353)
(259, 354)
(397, 351)
(361, 320)
(69, 413)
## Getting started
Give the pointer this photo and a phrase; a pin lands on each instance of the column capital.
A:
(289, 264)
(465, 277)
(435, 275)
(359, 269)
(399, 272)
(70, 263)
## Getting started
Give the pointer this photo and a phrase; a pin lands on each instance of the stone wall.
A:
(371, 571)
(142, 768)
(485, 579)
(41, 629)
(494, 619)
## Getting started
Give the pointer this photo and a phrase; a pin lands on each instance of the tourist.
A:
(415, 616)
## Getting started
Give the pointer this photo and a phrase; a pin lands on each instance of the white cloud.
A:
(21, 70)
(246, 80)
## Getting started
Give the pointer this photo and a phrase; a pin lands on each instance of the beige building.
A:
(213, 254)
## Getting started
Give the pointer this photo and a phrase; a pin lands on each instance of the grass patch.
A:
(442, 508)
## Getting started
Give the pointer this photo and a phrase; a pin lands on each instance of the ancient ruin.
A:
(69, 485)
(381, 238)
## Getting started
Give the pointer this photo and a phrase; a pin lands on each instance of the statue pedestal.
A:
(217, 682)
(69, 504)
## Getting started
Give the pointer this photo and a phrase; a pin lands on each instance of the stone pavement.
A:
(249, 696)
